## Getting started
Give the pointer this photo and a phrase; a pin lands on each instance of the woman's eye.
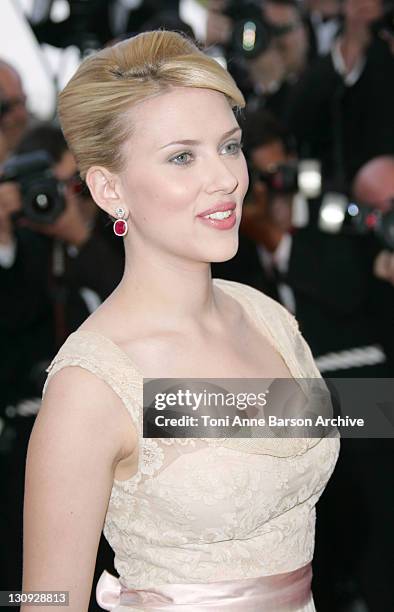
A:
(185, 158)
(181, 159)
(234, 147)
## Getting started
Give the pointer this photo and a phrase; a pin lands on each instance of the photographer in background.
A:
(13, 111)
(52, 275)
(266, 74)
(276, 70)
(321, 18)
(341, 110)
(323, 21)
(374, 183)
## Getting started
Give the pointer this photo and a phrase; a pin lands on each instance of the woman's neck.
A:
(173, 292)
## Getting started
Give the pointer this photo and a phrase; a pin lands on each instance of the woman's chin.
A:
(225, 254)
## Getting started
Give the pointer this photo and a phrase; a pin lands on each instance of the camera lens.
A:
(41, 202)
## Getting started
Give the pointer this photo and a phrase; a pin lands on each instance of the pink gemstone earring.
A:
(120, 225)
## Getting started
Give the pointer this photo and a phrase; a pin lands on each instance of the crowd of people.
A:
(319, 85)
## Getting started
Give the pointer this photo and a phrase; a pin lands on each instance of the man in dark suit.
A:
(340, 111)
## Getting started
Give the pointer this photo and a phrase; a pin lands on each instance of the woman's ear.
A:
(105, 189)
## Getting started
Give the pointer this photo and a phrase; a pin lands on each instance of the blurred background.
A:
(317, 232)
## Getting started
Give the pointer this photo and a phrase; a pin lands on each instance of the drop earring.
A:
(120, 225)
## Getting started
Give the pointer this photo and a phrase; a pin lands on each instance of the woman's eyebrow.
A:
(197, 142)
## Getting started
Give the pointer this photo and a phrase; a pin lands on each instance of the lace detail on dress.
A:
(218, 514)
(100, 356)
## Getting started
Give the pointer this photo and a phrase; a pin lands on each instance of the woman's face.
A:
(169, 187)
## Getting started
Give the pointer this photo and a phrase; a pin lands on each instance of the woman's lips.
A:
(221, 224)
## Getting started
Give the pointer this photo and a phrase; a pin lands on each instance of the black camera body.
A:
(252, 34)
(283, 178)
(42, 194)
(364, 219)
(303, 176)
(339, 215)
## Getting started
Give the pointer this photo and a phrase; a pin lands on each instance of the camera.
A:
(299, 176)
(363, 219)
(281, 178)
(252, 34)
(337, 214)
(42, 194)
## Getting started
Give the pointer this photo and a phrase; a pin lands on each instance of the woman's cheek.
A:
(178, 195)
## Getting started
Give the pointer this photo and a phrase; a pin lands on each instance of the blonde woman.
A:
(194, 524)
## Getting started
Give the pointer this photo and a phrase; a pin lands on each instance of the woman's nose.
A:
(220, 177)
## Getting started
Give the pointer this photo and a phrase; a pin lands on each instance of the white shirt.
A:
(7, 254)
(280, 259)
(351, 77)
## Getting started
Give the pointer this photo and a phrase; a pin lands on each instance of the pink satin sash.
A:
(284, 592)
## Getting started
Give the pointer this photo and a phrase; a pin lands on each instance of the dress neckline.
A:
(249, 310)
(254, 309)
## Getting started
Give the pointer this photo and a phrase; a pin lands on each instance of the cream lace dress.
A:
(211, 510)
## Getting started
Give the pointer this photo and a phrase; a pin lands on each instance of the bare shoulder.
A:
(72, 452)
(79, 404)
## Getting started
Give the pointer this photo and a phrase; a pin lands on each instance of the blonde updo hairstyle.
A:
(94, 104)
